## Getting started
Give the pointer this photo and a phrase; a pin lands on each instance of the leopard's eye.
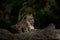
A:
(24, 17)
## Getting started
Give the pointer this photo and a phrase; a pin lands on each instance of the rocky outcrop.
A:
(48, 33)
(6, 35)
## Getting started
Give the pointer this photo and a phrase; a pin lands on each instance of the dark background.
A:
(44, 12)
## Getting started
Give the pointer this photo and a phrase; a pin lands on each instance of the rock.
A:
(6, 35)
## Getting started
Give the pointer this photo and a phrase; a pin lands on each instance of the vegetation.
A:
(44, 12)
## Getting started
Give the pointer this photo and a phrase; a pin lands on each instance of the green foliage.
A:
(43, 11)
